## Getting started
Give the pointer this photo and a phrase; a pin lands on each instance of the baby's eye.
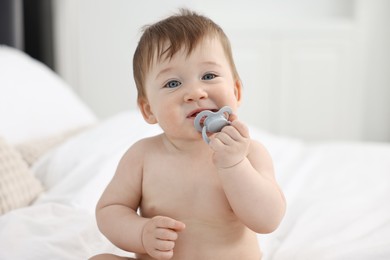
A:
(209, 76)
(172, 84)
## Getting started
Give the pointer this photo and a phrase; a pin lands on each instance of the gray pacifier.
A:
(213, 121)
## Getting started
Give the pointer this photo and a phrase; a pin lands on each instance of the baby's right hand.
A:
(159, 235)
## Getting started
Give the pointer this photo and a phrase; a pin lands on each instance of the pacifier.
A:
(213, 121)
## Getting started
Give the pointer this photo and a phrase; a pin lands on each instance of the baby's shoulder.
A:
(145, 145)
(136, 153)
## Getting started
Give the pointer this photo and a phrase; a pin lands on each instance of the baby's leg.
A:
(109, 257)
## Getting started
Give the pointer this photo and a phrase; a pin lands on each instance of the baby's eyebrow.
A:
(211, 63)
(170, 69)
(164, 71)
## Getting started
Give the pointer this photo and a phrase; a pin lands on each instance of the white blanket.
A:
(337, 194)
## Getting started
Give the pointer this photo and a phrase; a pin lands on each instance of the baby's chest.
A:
(182, 190)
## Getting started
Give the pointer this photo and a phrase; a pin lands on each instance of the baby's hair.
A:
(165, 38)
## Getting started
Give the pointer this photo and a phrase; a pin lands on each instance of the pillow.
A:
(18, 186)
(32, 150)
(34, 101)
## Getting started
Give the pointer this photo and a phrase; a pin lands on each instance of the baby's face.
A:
(179, 88)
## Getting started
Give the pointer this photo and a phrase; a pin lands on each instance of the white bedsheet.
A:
(337, 194)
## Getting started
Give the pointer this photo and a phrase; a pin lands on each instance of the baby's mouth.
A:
(193, 116)
(195, 113)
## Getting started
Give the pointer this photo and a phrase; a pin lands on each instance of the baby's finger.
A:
(241, 128)
(224, 138)
(216, 144)
(157, 254)
(231, 132)
(166, 234)
(232, 117)
(164, 245)
(167, 222)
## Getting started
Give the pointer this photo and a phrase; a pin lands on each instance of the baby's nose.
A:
(195, 94)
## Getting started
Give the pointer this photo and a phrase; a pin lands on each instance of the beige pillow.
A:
(18, 186)
(32, 150)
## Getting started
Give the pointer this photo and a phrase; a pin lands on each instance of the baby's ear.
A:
(237, 90)
(146, 111)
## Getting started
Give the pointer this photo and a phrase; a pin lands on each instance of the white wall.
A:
(373, 18)
(311, 69)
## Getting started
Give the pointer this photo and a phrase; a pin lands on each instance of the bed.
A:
(56, 158)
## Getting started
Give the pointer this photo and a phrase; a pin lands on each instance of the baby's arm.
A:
(246, 172)
(117, 217)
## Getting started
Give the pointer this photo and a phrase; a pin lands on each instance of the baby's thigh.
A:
(109, 257)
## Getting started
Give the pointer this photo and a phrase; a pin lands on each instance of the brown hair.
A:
(187, 29)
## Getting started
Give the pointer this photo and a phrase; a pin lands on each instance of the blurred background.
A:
(317, 70)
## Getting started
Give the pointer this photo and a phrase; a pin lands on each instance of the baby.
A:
(173, 195)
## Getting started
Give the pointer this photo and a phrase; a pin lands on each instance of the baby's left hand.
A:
(231, 145)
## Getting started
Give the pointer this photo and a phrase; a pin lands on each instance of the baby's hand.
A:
(159, 236)
(231, 145)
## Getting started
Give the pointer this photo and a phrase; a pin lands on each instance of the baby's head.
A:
(162, 40)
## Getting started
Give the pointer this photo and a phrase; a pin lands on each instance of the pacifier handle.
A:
(197, 124)
(213, 122)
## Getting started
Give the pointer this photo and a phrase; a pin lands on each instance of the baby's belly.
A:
(215, 240)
